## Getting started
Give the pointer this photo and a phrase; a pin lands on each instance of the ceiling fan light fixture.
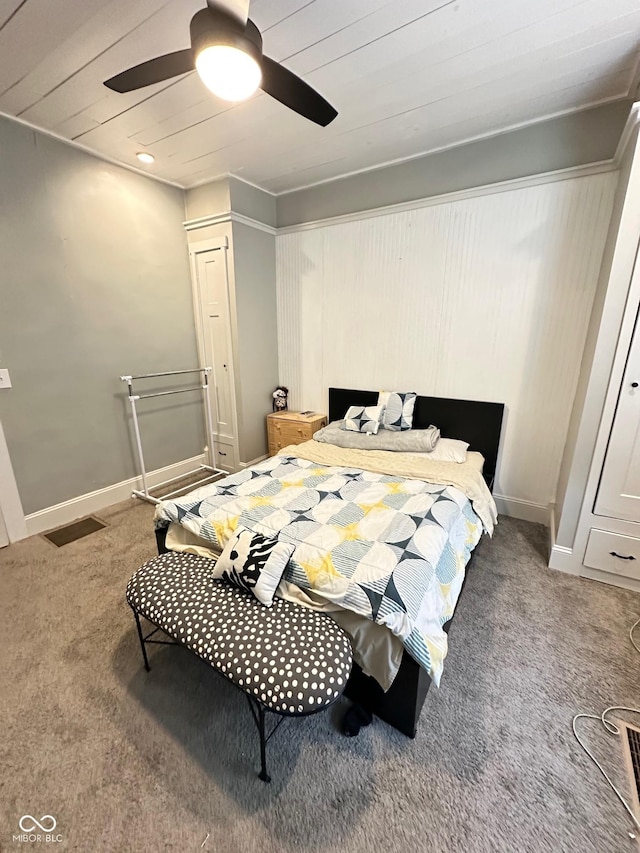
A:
(228, 72)
(226, 50)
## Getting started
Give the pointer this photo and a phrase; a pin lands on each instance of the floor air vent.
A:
(630, 738)
(70, 532)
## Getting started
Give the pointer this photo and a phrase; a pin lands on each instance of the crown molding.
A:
(251, 184)
(470, 140)
(228, 216)
(225, 175)
(90, 151)
(632, 121)
(458, 195)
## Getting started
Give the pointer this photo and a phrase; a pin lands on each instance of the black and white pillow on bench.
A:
(254, 563)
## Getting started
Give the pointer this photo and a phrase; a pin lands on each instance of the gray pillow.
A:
(411, 440)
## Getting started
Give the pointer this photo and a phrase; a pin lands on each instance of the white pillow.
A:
(363, 418)
(446, 450)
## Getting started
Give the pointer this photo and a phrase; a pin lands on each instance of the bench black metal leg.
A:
(141, 638)
(259, 716)
(263, 746)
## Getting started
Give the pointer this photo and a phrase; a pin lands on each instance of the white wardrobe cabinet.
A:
(609, 531)
(616, 553)
(619, 491)
(613, 545)
(596, 533)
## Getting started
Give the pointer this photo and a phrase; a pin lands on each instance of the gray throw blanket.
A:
(407, 441)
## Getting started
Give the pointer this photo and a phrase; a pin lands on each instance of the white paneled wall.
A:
(484, 298)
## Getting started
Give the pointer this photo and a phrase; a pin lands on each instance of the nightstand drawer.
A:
(276, 445)
(289, 432)
(277, 442)
(613, 552)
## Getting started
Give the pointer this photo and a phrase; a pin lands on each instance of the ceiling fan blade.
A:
(238, 9)
(290, 90)
(153, 71)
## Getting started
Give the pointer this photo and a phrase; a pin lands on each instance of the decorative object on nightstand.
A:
(284, 428)
(280, 396)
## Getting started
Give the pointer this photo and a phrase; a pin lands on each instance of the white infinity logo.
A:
(38, 823)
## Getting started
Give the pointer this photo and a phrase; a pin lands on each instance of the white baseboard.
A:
(253, 461)
(552, 526)
(68, 511)
(610, 579)
(525, 510)
(560, 558)
(563, 560)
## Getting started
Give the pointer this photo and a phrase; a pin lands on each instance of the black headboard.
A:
(478, 423)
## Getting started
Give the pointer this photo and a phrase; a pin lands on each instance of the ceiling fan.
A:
(226, 51)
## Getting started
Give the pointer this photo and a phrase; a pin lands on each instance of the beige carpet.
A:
(130, 761)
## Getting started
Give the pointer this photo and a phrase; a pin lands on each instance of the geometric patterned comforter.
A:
(388, 548)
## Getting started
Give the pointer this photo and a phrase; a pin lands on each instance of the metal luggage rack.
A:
(206, 473)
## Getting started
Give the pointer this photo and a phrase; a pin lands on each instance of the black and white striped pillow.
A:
(254, 563)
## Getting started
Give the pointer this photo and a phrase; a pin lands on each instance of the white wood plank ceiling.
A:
(407, 77)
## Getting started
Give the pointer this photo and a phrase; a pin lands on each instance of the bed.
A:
(313, 496)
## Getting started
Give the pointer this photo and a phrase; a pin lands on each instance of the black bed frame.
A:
(479, 424)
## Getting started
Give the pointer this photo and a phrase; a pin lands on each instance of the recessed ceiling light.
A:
(145, 157)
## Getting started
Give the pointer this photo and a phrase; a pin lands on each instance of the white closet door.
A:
(619, 492)
(12, 524)
(211, 272)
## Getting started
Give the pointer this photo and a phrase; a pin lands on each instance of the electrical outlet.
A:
(5, 379)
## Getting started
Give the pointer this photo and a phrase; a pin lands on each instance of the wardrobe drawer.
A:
(613, 552)
(225, 456)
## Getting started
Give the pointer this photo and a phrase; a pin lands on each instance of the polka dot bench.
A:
(287, 659)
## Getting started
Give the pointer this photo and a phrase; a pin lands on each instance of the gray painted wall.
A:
(252, 202)
(94, 283)
(254, 261)
(205, 200)
(231, 194)
(571, 140)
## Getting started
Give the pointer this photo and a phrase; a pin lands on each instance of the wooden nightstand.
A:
(284, 428)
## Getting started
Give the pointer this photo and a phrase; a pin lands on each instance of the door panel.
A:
(211, 271)
(619, 492)
(12, 522)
